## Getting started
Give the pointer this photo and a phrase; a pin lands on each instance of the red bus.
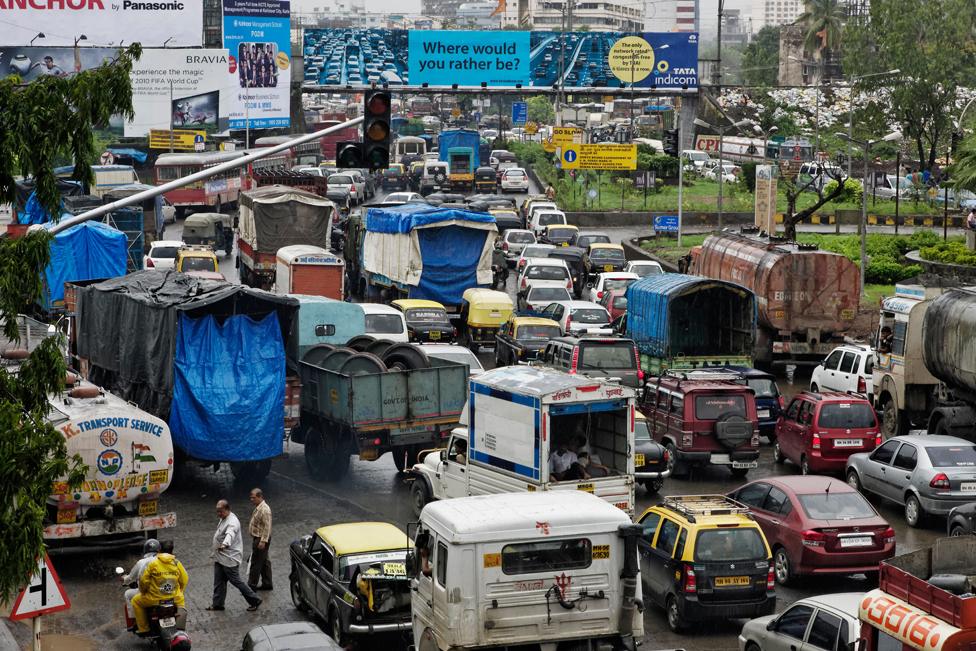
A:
(215, 192)
(307, 154)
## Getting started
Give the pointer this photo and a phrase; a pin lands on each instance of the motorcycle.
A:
(499, 275)
(167, 624)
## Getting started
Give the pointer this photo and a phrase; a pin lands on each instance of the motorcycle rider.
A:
(149, 550)
(164, 578)
(499, 265)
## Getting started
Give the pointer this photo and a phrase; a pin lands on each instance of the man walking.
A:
(260, 529)
(228, 552)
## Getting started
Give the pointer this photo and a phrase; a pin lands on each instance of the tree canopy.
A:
(760, 63)
(540, 110)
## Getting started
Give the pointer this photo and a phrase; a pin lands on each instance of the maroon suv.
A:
(703, 421)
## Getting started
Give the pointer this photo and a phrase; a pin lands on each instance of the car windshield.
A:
(519, 238)
(164, 252)
(513, 174)
(607, 254)
(590, 316)
(607, 356)
(560, 232)
(546, 273)
(763, 387)
(340, 180)
(534, 332)
(427, 314)
(846, 415)
(349, 564)
(549, 294)
(641, 431)
(713, 407)
(198, 264)
(551, 218)
(952, 456)
(836, 506)
(535, 252)
(739, 544)
(643, 270)
(387, 324)
(616, 284)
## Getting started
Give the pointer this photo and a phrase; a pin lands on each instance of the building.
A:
(797, 68)
(479, 15)
(550, 15)
(671, 16)
(735, 29)
(775, 12)
(445, 10)
(213, 24)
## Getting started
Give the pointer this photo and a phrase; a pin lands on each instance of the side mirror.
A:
(443, 455)
(771, 626)
(306, 542)
(410, 562)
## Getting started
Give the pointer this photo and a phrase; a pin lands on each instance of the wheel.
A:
(360, 343)
(778, 456)
(333, 361)
(914, 515)
(405, 357)
(893, 422)
(419, 496)
(296, 594)
(941, 429)
(958, 530)
(325, 456)
(804, 465)
(653, 486)
(675, 623)
(853, 480)
(678, 469)
(379, 347)
(739, 473)
(317, 353)
(814, 388)
(363, 364)
(404, 458)
(781, 567)
(335, 628)
(752, 646)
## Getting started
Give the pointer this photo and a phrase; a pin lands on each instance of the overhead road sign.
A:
(598, 157)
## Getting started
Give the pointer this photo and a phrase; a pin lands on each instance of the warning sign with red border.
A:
(43, 595)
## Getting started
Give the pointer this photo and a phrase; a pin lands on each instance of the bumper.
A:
(820, 464)
(750, 457)
(693, 610)
(365, 629)
(813, 561)
(642, 474)
(87, 528)
(942, 505)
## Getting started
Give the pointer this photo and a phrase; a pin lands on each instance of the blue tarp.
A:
(450, 256)
(225, 375)
(406, 217)
(34, 212)
(84, 252)
(135, 154)
(647, 308)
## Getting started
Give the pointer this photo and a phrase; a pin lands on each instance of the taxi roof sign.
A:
(42, 595)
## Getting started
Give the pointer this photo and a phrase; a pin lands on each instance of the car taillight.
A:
(575, 355)
(599, 295)
(770, 579)
(816, 442)
(666, 456)
(877, 439)
(811, 538)
(569, 283)
(149, 262)
(569, 322)
(691, 581)
(455, 332)
(862, 386)
(504, 246)
(940, 481)
(640, 375)
(524, 284)
(782, 402)
(754, 442)
(888, 536)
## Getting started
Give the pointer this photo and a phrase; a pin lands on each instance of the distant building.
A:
(775, 12)
(482, 15)
(797, 68)
(445, 10)
(672, 16)
(735, 30)
(213, 24)
(603, 16)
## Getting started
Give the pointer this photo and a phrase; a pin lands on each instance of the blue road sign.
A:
(520, 113)
(651, 108)
(569, 155)
(198, 138)
(666, 223)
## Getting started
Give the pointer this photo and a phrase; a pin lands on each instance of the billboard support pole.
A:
(139, 197)
(171, 116)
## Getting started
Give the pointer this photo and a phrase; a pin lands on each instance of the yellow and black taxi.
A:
(354, 577)
(703, 557)
(602, 258)
(522, 338)
(426, 320)
(196, 258)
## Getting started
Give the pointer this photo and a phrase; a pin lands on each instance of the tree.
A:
(826, 192)
(824, 23)
(963, 169)
(760, 63)
(540, 110)
(38, 122)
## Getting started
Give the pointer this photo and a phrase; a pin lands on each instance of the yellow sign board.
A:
(598, 157)
(548, 146)
(182, 140)
(566, 136)
(531, 128)
(631, 59)
(455, 112)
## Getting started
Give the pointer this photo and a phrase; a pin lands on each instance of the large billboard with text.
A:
(359, 57)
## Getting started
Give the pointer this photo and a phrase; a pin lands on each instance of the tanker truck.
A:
(806, 299)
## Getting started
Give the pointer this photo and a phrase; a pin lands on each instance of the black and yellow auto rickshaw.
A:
(209, 229)
(483, 312)
(485, 180)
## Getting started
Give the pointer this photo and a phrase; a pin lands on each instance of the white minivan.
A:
(385, 322)
(542, 218)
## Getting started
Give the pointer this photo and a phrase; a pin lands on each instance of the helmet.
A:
(180, 642)
(151, 546)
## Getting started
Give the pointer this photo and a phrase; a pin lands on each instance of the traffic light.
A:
(349, 155)
(670, 142)
(376, 129)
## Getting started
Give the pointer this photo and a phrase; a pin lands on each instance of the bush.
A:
(748, 177)
(887, 271)
(949, 252)
(852, 191)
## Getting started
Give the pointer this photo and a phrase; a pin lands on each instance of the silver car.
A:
(825, 622)
(927, 474)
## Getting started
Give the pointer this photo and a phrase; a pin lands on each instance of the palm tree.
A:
(824, 22)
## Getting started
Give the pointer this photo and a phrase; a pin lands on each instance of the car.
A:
(643, 268)
(928, 474)
(817, 525)
(293, 636)
(535, 299)
(404, 197)
(545, 217)
(162, 254)
(586, 238)
(365, 182)
(513, 241)
(847, 369)
(169, 212)
(819, 431)
(534, 203)
(395, 177)
(604, 258)
(558, 234)
(522, 337)
(650, 457)
(608, 358)
(696, 160)
(196, 258)
(532, 251)
(514, 179)
(426, 320)
(544, 272)
(703, 418)
(579, 317)
(434, 176)
(615, 281)
(385, 322)
(311, 171)
(729, 173)
(353, 575)
(614, 302)
(702, 558)
(347, 182)
(456, 353)
(835, 625)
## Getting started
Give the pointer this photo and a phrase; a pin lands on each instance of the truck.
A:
(552, 570)
(806, 299)
(306, 269)
(515, 418)
(275, 216)
(395, 399)
(947, 332)
(420, 251)
(85, 251)
(205, 356)
(923, 600)
(664, 318)
(461, 150)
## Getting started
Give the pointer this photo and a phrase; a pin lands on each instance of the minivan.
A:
(385, 322)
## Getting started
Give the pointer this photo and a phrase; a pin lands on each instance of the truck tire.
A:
(363, 364)
(325, 456)
(359, 343)
(419, 496)
(893, 421)
(250, 472)
(405, 458)
(405, 357)
(334, 360)
(317, 353)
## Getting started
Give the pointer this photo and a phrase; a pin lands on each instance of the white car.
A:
(728, 173)
(613, 281)
(404, 197)
(542, 218)
(514, 241)
(357, 192)
(312, 171)
(847, 369)
(579, 317)
(545, 272)
(643, 268)
(385, 322)
(169, 212)
(515, 179)
(162, 254)
(696, 160)
(456, 353)
(532, 251)
(824, 622)
(535, 299)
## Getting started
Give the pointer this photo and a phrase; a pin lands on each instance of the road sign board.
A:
(566, 135)
(107, 158)
(599, 157)
(651, 108)
(180, 140)
(520, 113)
(198, 143)
(42, 595)
(666, 223)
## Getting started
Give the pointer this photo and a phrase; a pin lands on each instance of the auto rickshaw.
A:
(483, 312)
(209, 229)
(573, 255)
(559, 234)
(484, 180)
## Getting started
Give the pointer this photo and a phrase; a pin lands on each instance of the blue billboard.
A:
(501, 58)
(257, 35)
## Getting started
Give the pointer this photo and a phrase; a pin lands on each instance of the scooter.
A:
(499, 275)
(167, 624)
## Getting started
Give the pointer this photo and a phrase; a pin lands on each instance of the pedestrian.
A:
(550, 192)
(971, 219)
(228, 552)
(260, 529)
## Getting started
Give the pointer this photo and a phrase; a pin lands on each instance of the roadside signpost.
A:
(520, 113)
(42, 595)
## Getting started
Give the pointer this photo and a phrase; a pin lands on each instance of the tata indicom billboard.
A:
(359, 57)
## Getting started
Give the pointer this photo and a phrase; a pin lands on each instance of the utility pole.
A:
(171, 116)
(717, 73)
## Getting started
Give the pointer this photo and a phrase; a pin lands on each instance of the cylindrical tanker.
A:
(806, 298)
(949, 339)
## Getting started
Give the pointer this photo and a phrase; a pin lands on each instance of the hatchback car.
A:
(535, 299)
(559, 234)
(604, 258)
(586, 238)
(514, 179)
(513, 241)
(458, 354)
(819, 431)
(817, 525)
(348, 183)
(650, 457)
(579, 317)
(617, 281)
(385, 322)
(928, 474)
(543, 272)
(614, 302)
(162, 254)
(827, 623)
(532, 251)
(426, 320)
(608, 358)
(643, 267)
(847, 369)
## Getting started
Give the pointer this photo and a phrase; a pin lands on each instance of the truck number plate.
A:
(847, 443)
(726, 581)
(638, 459)
(435, 335)
(167, 622)
(608, 267)
(149, 507)
(585, 487)
(968, 487)
(745, 464)
(857, 541)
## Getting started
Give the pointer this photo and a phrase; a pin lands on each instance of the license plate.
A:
(968, 487)
(585, 487)
(762, 413)
(857, 541)
(847, 443)
(745, 464)
(608, 267)
(564, 244)
(167, 622)
(496, 315)
(149, 507)
(726, 581)
(435, 334)
(638, 459)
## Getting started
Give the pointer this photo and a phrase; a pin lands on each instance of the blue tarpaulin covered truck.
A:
(461, 150)
(86, 251)
(206, 356)
(686, 322)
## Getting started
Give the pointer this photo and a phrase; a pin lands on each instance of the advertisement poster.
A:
(189, 89)
(257, 35)
(102, 22)
(32, 63)
(357, 57)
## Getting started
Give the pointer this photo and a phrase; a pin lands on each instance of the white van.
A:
(385, 322)
(542, 218)
(696, 160)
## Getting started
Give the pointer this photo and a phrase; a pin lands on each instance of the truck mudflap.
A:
(87, 528)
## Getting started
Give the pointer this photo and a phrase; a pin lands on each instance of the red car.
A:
(817, 525)
(615, 303)
(820, 430)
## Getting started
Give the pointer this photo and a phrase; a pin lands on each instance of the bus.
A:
(408, 148)
(307, 154)
(216, 192)
(756, 150)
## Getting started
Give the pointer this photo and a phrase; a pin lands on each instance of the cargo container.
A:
(461, 150)
(304, 269)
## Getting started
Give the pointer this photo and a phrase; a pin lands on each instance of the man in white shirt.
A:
(564, 462)
(228, 553)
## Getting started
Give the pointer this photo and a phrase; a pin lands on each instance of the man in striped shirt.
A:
(260, 530)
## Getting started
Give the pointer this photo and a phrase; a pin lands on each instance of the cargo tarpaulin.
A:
(221, 381)
(87, 251)
(439, 251)
(276, 216)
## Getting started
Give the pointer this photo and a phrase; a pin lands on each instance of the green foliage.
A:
(885, 271)
(540, 110)
(760, 64)
(851, 193)
(824, 23)
(748, 177)
(885, 252)
(949, 252)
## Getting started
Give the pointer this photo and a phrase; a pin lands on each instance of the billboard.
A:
(32, 63)
(257, 35)
(102, 22)
(358, 57)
